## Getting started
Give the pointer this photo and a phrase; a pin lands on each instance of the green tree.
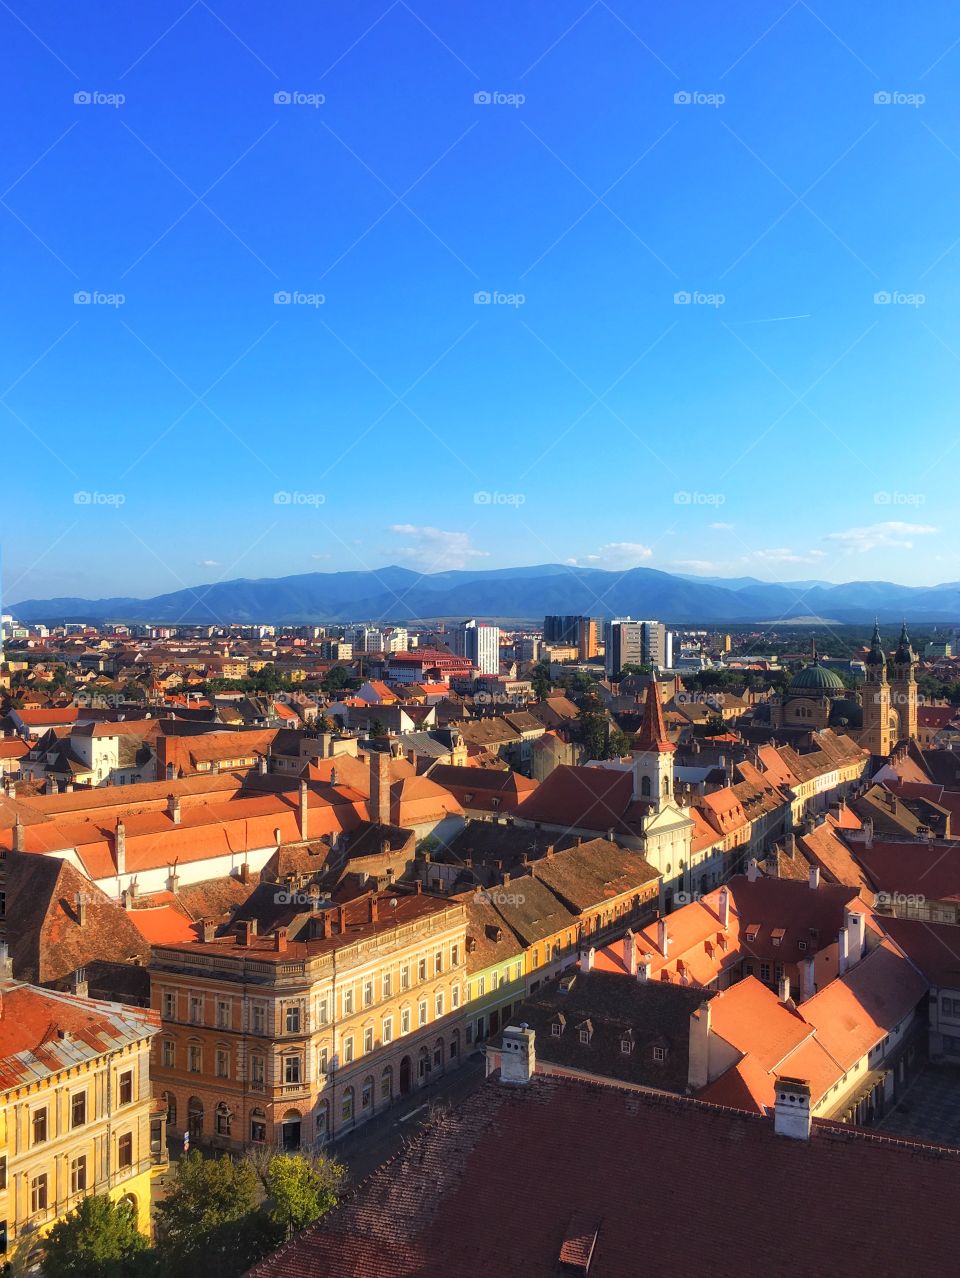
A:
(594, 728)
(541, 682)
(99, 1239)
(301, 1189)
(618, 744)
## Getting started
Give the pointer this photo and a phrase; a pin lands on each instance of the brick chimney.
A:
(380, 771)
(81, 903)
(248, 930)
(173, 809)
(209, 929)
(374, 909)
(280, 940)
(304, 822)
(120, 848)
(753, 871)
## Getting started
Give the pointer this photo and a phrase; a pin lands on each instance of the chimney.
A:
(173, 809)
(280, 940)
(856, 929)
(303, 811)
(808, 984)
(791, 1115)
(18, 836)
(868, 833)
(663, 938)
(79, 983)
(698, 1065)
(243, 874)
(334, 780)
(209, 929)
(380, 786)
(723, 908)
(753, 870)
(120, 848)
(645, 967)
(843, 952)
(814, 877)
(550, 849)
(518, 1058)
(248, 930)
(262, 765)
(412, 756)
(783, 988)
(790, 844)
(173, 881)
(630, 952)
(586, 959)
(81, 905)
(374, 909)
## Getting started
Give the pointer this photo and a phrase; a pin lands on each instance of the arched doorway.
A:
(290, 1129)
(405, 1072)
(195, 1117)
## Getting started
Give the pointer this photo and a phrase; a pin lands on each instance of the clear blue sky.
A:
(814, 429)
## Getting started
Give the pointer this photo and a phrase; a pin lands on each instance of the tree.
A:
(100, 1239)
(541, 682)
(378, 729)
(301, 1189)
(594, 728)
(209, 1223)
(618, 744)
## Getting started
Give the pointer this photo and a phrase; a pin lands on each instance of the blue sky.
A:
(782, 423)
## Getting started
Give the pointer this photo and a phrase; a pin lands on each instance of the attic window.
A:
(556, 1029)
(801, 945)
(586, 1032)
(626, 1045)
(753, 931)
(659, 1053)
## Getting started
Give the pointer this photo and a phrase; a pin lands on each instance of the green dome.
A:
(816, 679)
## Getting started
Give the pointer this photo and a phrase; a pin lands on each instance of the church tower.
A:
(653, 754)
(876, 735)
(903, 686)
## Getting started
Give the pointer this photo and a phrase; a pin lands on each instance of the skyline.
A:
(808, 423)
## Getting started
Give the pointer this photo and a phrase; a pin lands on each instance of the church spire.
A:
(876, 656)
(904, 654)
(653, 733)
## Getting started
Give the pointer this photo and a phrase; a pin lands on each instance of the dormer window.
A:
(586, 1032)
(660, 1054)
(626, 1045)
(558, 1024)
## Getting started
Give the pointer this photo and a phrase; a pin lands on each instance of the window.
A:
(405, 1021)
(223, 1014)
(323, 1061)
(291, 1069)
(455, 996)
(556, 1029)
(169, 1006)
(222, 1120)
(422, 969)
(455, 955)
(438, 963)
(223, 1063)
(194, 1058)
(368, 1039)
(422, 1012)
(348, 1002)
(438, 1002)
(125, 1150)
(405, 977)
(626, 1046)
(78, 1175)
(659, 1053)
(348, 1050)
(39, 1126)
(494, 980)
(387, 985)
(78, 1109)
(169, 1053)
(367, 993)
(257, 1073)
(481, 986)
(366, 1094)
(293, 1018)
(801, 945)
(346, 1108)
(126, 1087)
(258, 1018)
(196, 1008)
(3, 1171)
(951, 1006)
(764, 971)
(38, 1193)
(386, 1084)
(386, 1031)
(322, 1012)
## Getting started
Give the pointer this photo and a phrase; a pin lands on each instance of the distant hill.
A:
(402, 595)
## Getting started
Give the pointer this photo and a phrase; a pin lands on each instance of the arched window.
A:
(366, 1092)
(438, 1054)
(386, 1084)
(171, 1108)
(346, 1106)
(645, 787)
(195, 1116)
(258, 1126)
(222, 1120)
(323, 1120)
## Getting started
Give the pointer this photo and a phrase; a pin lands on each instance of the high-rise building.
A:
(479, 643)
(641, 643)
(582, 633)
(367, 639)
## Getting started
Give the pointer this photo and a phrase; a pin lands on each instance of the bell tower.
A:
(653, 754)
(903, 686)
(877, 736)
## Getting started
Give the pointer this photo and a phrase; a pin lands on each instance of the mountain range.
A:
(401, 595)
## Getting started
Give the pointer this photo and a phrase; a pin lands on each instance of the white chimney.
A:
(783, 988)
(630, 952)
(843, 952)
(698, 1060)
(808, 984)
(856, 928)
(723, 908)
(645, 968)
(753, 870)
(791, 1116)
(518, 1060)
(586, 959)
(814, 877)
(663, 939)
(868, 833)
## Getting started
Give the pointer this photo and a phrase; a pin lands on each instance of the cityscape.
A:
(479, 641)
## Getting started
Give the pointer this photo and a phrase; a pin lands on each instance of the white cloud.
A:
(325, 556)
(700, 567)
(783, 555)
(435, 550)
(892, 532)
(721, 527)
(615, 554)
(209, 563)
